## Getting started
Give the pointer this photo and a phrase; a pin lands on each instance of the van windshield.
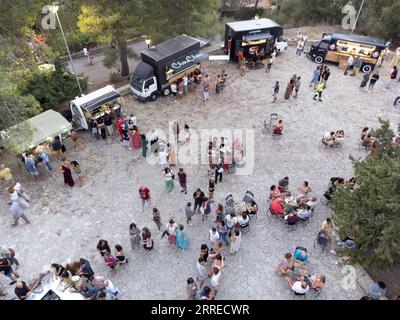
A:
(137, 82)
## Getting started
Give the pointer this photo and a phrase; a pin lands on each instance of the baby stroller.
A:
(269, 127)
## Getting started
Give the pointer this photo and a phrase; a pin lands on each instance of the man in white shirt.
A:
(133, 120)
(231, 220)
(305, 214)
(215, 279)
(214, 236)
(329, 139)
(201, 271)
(85, 52)
(350, 64)
(300, 286)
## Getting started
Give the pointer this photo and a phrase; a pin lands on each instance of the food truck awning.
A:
(187, 61)
(34, 131)
(257, 36)
(94, 104)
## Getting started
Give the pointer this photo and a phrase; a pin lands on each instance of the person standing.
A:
(396, 58)
(357, 65)
(236, 240)
(75, 138)
(315, 78)
(365, 80)
(297, 86)
(144, 142)
(163, 159)
(134, 234)
(189, 213)
(185, 84)
(213, 236)
(222, 230)
(327, 229)
(276, 91)
(30, 165)
(191, 289)
(76, 169)
(157, 218)
(300, 47)
(85, 52)
(120, 124)
(393, 77)
(90, 56)
(169, 180)
(108, 122)
(56, 145)
(148, 242)
(289, 89)
(180, 88)
(175, 129)
(198, 197)
(103, 247)
(325, 75)
(318, 92)
(182, 178)
(269, 65)
(182, 240)
(201, 271)
(373, 81)
(350, 65)
(66, 171)
(174, 90)
(211, 188)
(170, 230)
(206, 88)
(136, 142)
(6, 175)
(218, 172)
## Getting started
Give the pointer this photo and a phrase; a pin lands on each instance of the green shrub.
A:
(79, 40)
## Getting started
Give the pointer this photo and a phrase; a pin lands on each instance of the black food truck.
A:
(338, 47)
(250, 36)
(164, 64)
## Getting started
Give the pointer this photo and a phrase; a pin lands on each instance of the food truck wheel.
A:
(319, 59)
(367, 68)
(154, 96)
(166, 91)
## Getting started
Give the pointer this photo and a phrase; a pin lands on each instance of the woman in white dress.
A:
(236, 239)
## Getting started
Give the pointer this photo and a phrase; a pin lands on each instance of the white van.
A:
(95, 105)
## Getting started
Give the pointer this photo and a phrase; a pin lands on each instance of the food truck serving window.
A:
(93, 105)
(186, 62)
(362, 49)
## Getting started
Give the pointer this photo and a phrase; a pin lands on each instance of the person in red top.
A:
(136, 142)
(120, 123)
(276, 206)
(144, 194)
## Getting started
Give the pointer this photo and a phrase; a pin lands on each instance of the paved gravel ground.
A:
(67, 223)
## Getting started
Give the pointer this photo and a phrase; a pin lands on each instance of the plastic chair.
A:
(248, 197)
(230, 202)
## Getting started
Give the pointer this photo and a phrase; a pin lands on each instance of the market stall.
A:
(34, 132)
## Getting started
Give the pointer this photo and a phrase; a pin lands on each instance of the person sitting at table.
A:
(351, 183)
(276, 207)
(252, 208)
(283, 185)
(346, 243)
(364, 133)
(292, 218)
(339, 137)
(329, 139)
(285, 265)
(298, 286)
(317, 282)
(278, 128)
(303, 191)
(274, 192)
(305, 214)
(244, 220)
(312, 203)
(368, 141)
(301, 256)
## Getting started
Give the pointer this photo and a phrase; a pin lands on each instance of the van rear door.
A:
(78, 116)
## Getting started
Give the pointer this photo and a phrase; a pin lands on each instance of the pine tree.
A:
(371, 213)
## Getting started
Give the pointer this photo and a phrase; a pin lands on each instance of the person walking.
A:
(120, 254)
(236, 240)
(66, 171)
(206, 88)
(170, 230)
(103, 247)
(144, 194)
(218, 172)
(318, 92)
(182, 240)
(157, 218)
(15, 208)
(134, 234)
(276, 91)
(45, 159)
(144, 142)
(206, 206)
(30, 165)
(297, 86)
(182, 178)
(169, 180)
(189, 213)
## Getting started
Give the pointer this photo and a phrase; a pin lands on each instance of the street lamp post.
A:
(55, 10)
(358, 16)
(148, 41)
